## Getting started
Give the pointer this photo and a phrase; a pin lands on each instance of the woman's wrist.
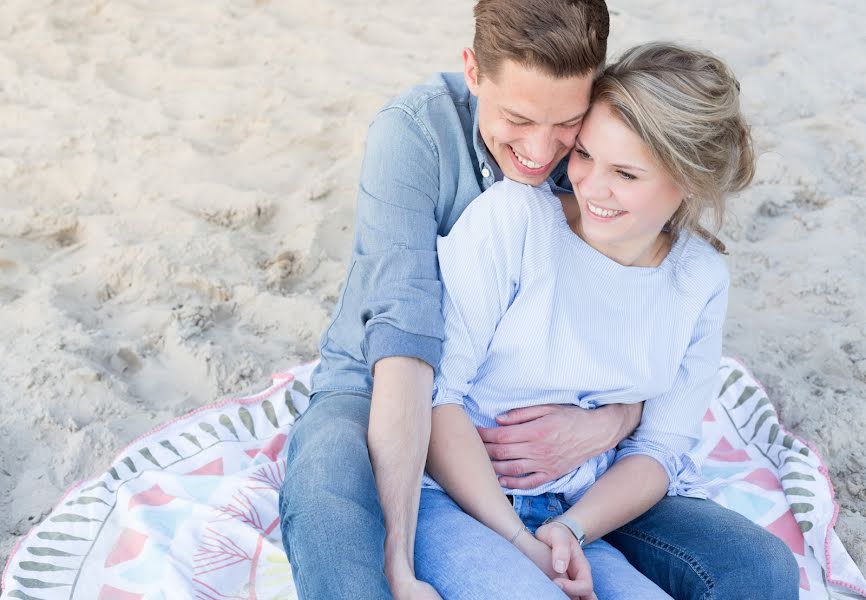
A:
(525, 540)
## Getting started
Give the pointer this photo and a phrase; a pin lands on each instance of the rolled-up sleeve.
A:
(670, 426)
(394, 267)
(480, 261)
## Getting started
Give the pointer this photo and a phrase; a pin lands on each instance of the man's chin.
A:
(534, 180)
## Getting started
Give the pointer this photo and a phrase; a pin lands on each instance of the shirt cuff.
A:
(384, 340)
(683, 470)
(443, 395)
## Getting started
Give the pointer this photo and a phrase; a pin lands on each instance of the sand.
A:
(177, 188)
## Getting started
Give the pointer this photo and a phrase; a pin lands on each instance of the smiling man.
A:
(350, 501)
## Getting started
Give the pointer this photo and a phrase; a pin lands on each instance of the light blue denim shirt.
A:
(424, 163)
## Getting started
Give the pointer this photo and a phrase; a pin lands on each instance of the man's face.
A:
(528, 120)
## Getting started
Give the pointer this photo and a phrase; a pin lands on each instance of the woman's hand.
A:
(575, 582)
(537, 551)
(566, 561)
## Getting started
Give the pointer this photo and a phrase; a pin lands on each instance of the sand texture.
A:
(177, 189)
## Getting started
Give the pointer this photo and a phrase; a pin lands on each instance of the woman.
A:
(613, 295)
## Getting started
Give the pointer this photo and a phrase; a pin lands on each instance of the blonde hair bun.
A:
(685, 106)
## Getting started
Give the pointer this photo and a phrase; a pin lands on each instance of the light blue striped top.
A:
(534, 315)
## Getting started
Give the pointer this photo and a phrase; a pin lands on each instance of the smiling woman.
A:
(683, 109)
(628, 311)
(625, 196)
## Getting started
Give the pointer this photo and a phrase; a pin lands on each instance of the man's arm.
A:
(538, 444)
(399, 297)
(397, 439)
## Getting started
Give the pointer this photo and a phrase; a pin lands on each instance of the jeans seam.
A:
(299, 578)
(679, 553)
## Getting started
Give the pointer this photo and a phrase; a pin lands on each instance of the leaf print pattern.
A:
(229, 461)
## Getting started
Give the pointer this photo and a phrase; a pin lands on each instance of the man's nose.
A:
(542, 147)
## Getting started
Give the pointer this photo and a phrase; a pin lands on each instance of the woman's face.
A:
(625, 197)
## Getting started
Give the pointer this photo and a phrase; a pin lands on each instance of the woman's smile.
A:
(602, 213)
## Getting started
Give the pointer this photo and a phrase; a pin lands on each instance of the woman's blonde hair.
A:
(684, 105)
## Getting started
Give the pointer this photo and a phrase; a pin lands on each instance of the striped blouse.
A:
(534, 315)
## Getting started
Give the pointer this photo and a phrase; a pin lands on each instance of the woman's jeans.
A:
(334, 533)
(465, 560)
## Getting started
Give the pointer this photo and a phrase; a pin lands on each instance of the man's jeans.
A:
(334, 533)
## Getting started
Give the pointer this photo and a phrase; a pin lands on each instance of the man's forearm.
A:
(397, 438)
(458, 462)
(627, 490)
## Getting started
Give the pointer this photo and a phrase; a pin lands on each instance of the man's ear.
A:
(470, 70)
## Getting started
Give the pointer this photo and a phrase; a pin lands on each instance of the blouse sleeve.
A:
(480, 262)
(670, 427)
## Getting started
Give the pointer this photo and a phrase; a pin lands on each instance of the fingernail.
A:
(560, 566)
(560, 585)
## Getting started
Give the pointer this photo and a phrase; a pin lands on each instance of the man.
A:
(349, 505)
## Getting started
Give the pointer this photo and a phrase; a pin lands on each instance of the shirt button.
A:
(485, 172)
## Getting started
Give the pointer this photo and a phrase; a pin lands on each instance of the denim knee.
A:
(328, 444)
(767, 570)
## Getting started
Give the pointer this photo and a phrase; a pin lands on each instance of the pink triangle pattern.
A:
(214, 467)
(804, 580)
(272, 449)
(127, 547)
(709, 417)
(152, 497)
(764, 478)
(112, 593)
(275, 446)
(724, 452)
(786, 529)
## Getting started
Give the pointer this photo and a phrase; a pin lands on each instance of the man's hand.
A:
(538, 444)
(413, 589)
(568, 562)
(409, 588)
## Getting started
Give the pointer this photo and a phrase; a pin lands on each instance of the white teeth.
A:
(603, 212)
(526, 162)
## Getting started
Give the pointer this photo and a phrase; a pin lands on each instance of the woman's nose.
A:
(593, 185)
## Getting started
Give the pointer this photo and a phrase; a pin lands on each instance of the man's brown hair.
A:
(562, 38)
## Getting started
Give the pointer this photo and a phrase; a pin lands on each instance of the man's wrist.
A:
(631, 416)
(398, 568)
(623, 419)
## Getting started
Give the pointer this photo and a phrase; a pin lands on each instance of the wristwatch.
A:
(572, 525)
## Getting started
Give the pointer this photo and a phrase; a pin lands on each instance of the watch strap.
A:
(572, 526)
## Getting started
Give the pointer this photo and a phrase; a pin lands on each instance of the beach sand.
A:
(177, 188)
